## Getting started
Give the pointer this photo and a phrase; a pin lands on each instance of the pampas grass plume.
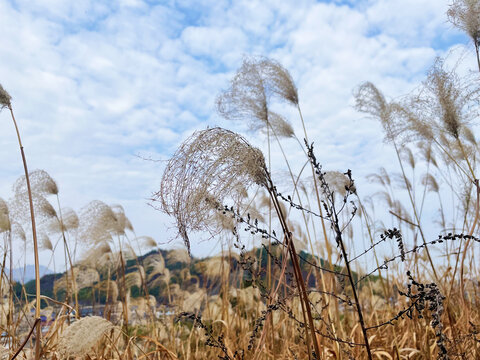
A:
(178, 256)
(81, 336)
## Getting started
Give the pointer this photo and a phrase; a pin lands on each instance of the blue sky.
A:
(95, 83)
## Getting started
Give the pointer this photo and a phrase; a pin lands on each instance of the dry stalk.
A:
(5, 101)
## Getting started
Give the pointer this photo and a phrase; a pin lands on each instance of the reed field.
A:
(310, 267)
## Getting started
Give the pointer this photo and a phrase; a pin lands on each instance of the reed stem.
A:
(35, 242)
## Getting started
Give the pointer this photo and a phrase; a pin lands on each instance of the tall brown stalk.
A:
(35, 242)
(305, 302)
(332, 215)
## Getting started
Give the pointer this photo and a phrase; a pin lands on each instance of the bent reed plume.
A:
(208, 168)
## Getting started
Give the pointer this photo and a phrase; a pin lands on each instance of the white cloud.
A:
(410, 21)
(213, 42)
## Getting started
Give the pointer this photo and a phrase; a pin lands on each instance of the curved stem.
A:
(67, 252)
(35, 242)
(415, 213)
(476, 52)
(320, 210)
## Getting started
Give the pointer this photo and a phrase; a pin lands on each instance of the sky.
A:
(98, 86)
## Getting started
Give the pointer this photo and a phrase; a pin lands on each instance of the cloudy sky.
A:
(97, 83)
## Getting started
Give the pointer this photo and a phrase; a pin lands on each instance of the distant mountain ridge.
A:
(184, 273)
(24, 275)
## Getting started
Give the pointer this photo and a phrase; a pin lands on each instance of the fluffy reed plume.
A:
(5, 224)
(99, 256)
(213, 267)
(18, 232)
(407, 155)
(465, 15)
(446, 101)
(68, 222)
(249, 94)
(440, 113)
(97, 223)
(370, 100)
(255, 213)
(111, 287)
(5, 98)
(216, 309)
(147, 241)
(176, 290)
(144, 304)
(159, 277)
(141, 270)
(20, 209)
(40, 181)
(401, 182)
(246, 99)
(280, 126)
(178, 256)
(84, 276)
(224, 221)
(4, 292)
(211, 164)
(80, 337)
(194, 301)
(154, 263)
(278, 80)
(430, 182)
(401, 122)
(135, 278)
(45, 242)
(122, 222)
(338, 182)
(427, 152)
(402, 213)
